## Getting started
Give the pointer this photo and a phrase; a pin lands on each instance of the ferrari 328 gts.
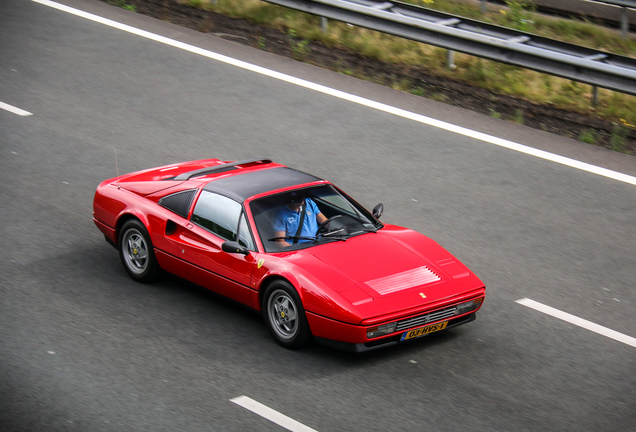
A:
(290, 245)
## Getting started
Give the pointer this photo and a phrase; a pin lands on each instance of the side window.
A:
(244, 236)
(217, 214)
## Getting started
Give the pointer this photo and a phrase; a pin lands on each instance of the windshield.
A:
(307, 217)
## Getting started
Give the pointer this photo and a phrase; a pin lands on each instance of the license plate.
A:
(423, 331)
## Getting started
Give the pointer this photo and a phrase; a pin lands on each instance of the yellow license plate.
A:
(423, 331)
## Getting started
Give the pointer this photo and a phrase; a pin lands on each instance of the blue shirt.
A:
(287, 220)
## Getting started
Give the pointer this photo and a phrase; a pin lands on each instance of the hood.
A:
(401, 269)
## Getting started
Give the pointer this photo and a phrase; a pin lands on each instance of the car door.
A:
(197, 244)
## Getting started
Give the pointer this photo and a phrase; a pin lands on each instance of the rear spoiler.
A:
(220, 168)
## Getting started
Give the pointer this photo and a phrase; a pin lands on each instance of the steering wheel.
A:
(322, 226)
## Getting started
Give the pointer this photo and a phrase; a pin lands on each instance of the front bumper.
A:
(351, 335)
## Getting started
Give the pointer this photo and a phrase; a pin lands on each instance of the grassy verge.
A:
(500, 78)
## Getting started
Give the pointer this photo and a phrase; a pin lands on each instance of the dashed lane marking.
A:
(14, 110)
(271, 415)
(578, 321)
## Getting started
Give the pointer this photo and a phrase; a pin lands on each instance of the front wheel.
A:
(285, 316)
(136, 252)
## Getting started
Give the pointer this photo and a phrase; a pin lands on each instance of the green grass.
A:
(498, 77)
(124, 5)
(417, 91)
(620, 131)
(588, 136)
(494, 114)
(518, 117)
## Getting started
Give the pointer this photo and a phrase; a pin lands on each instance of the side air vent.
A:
(179, 202)
(171, 227)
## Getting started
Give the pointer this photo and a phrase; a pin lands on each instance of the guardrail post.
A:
(624, 23)
(323, 24)
(594, 96)
(483, 6)
(450, 60)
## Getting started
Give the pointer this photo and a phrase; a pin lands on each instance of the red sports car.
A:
(290, 245)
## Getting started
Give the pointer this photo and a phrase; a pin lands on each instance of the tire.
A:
(136, 252)
(285, 316)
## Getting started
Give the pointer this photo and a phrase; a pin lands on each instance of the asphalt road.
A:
(84, 348)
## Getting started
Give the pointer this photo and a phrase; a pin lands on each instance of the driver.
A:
(289, 216)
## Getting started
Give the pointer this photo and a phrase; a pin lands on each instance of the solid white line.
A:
(271, 415)
(578, 321)
(14, 110)
(352, 98)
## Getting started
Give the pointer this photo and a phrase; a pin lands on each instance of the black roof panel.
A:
(242, 186)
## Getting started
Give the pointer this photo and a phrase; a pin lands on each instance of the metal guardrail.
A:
(623, 3)
(590, 5)
(480, 39)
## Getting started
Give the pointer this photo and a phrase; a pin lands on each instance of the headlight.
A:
(385, 329)
(469, 306)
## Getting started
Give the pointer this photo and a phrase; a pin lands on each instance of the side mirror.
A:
(378, 210)
(234, 247)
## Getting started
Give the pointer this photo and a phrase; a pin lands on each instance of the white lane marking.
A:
(271, 415)
(578, 321)
(352, 98)
(14, 110)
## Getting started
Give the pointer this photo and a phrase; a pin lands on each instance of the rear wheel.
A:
(136, 252)
(285, 316)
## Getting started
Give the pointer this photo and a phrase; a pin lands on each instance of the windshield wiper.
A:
(341, 238)
(365, 230)
(292, 238)
(332, 233)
